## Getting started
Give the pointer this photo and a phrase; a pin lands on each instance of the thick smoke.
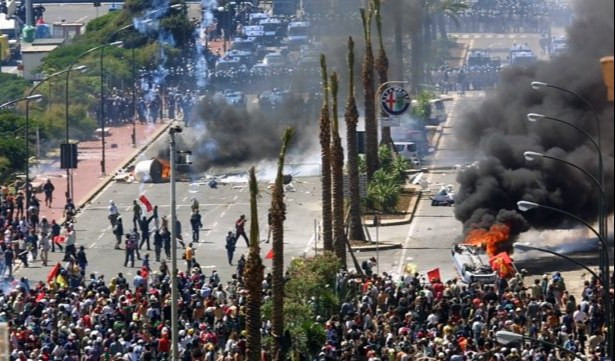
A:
(499, 129)
(229, 135)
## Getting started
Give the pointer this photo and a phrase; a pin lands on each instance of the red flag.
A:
(58, 239)
(144, 272)
(502, 264)
(269, 254)
(146, 203)
(55, 271)
(40, 296)
(434, 275)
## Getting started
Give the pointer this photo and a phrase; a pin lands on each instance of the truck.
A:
(521, 54)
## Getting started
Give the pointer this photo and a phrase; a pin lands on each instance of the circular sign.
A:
(395, 100)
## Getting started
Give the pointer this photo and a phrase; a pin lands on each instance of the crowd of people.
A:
(380, 318)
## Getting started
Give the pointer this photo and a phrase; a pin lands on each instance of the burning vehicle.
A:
(472, 264)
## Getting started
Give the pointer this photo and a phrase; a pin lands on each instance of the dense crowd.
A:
(75, 316)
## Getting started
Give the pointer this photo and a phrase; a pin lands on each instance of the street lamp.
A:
(29, 97)
(173, 154)
(527, 247)
(30, 94)
(532, 156)
(69, 190)
(133, 74)
(102, 103)
(602, 213)
(506, 337)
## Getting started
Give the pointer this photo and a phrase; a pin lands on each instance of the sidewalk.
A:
(87, 177)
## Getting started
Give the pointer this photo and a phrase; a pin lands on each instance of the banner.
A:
(502, 264)
(269, 254)
(434, 275)
(55, 271)
(58, 239)
(146, 203)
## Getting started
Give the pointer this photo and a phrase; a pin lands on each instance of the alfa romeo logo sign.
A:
(395, 100)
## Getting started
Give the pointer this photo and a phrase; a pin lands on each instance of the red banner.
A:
(146, 203)
(55, 271)
(58, 239)
(269, 254)
(434, 275)
(502, 264)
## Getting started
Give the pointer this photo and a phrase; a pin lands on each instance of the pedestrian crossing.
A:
(494, 36)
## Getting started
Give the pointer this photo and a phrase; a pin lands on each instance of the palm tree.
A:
(440, 9)
(382, 67)
(254, 279)
(367, 76)
(417, 52)
(278, 214)
(337, 179)
(325, 155)
(351, 116)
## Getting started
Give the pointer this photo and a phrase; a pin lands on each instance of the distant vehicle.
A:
(115, 7)
(478, 57)
(521, 54)
(232, 97)
(409, 151)
(472, 264)
(444, 197)
(275, 60)
(255, 18)
(405, 133)
(228, 64)
(298, 33)
(558, 45)
(438, 112)
(247, 44)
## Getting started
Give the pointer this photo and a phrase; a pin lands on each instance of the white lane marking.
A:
(235, 198)
(92, 245)
(222, 214)
(214, 225)
(81, 19)
(184, 199)
(100, 236)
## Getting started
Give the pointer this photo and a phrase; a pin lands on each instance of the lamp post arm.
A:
(584, 100)
(578, 219)
(585, 133)
(12, 102)
(569, 259)
(561, 348)
(593, 179)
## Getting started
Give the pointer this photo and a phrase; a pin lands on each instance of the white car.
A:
(472, 264)
(444, 197)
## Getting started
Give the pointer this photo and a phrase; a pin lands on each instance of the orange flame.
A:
(490, 239)
(166, 169)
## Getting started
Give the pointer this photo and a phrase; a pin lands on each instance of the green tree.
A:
(337, 179)
(12, 87)
(325, 156)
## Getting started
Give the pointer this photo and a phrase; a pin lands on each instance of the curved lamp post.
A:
(69, 190)
(29, 97)
(133, 75)
(525, 206)
(526, 247)
(78, 68)
(506, 337)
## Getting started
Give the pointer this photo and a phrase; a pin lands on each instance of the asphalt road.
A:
(428, 239)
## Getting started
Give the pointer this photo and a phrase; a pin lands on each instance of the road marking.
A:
(92, 245)
(235, 198)
(100, 236)
(222, 214)
(81, 19)
(214, 225)
(184, 199)
(501, 36)
(489, 36)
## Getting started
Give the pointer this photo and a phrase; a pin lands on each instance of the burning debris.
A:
(486, 200)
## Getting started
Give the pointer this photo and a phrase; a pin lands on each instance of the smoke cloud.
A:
(229, 135)
(501, 133)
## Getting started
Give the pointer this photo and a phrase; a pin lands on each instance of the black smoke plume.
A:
(499, 129)
(220, 134)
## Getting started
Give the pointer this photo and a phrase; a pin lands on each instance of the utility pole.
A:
(174, 332)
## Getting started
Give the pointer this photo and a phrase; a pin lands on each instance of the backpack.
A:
(365, 265)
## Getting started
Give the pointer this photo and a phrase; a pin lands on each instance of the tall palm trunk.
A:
(325, 155)
(337, 179)
(382, 67)
(278, 214)
(351, 116)
(399, 58)
(254, 280)
(417, 49)
(367, 77)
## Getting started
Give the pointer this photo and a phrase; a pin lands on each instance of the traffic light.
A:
(68, 156)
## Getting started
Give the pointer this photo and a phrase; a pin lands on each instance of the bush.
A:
(383, 191)
(13, 87)
(422, 109)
